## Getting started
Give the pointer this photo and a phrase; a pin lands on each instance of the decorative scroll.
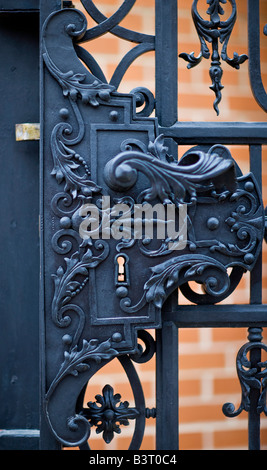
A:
(145, 42)
(252, 376)
(108, 414)
(212, 32)
(95, 145)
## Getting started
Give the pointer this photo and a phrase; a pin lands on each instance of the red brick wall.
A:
(207, 356)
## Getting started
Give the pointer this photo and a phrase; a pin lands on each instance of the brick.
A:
(184, 25)
(133, 21)
(197, 100)
(240, 153)
(241, 102)
(229, 438)
(123, 442)
(189, 387)
(134, 72)
(145, 3)
(148, 443)
(190, 441)
(189, 46)
(97, 443)
(229, 334)
(226, 386)
(203, 361)
(200, 412)
(189, 335)
(107, 44)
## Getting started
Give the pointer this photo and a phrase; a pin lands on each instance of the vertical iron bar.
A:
(256, 273)
(167, 337)
(254, 334)
(253, 415)
(254, 53)
(47, 441)
(167, 387)
(166, 61)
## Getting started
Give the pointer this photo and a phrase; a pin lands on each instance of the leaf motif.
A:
(157, 148)
(74, 361)
(73, 285)
(82, 367)
(60, 271)
(66, 299)
(177, 271)
(73, 84)
(193, 61)
(66, 286)
(87, 257)
(171, 182)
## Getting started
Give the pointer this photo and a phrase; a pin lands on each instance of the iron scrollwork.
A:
(252, 376)
(102, 147)
(214, 31)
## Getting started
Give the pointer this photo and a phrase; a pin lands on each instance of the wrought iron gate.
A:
(106, 169)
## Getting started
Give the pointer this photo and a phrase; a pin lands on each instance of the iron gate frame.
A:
(174, 317)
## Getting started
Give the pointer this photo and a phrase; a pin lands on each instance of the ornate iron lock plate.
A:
(100, 288)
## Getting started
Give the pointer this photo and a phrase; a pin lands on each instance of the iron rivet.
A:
(65, 222)
(64, 113)
(121, 292)
(104, 95)
(114, 115)
(67, 339)
(249, 258)
(116, 337)
(249, 186)
(212, 223)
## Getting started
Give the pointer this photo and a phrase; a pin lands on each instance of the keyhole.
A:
(121, 269)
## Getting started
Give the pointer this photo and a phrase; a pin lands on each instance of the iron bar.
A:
(237, 133)
(254, 335)
(256, 273)
(166, 112)
(204, 316)
(14, 6)
(47, 441)
(254, 53)
(166, 62)
(167, 387)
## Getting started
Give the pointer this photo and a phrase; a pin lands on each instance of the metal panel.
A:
(19, 238)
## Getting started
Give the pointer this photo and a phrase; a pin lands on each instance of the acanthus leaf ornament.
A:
(250, 377)
(170, 182)
(73, 85)
(214, 31)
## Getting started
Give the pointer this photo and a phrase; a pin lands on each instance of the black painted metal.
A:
(19, 238)
(95, 142)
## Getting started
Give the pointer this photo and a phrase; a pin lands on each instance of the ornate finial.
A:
(212, 32)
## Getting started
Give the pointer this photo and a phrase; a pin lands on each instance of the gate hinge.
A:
(27, 131)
